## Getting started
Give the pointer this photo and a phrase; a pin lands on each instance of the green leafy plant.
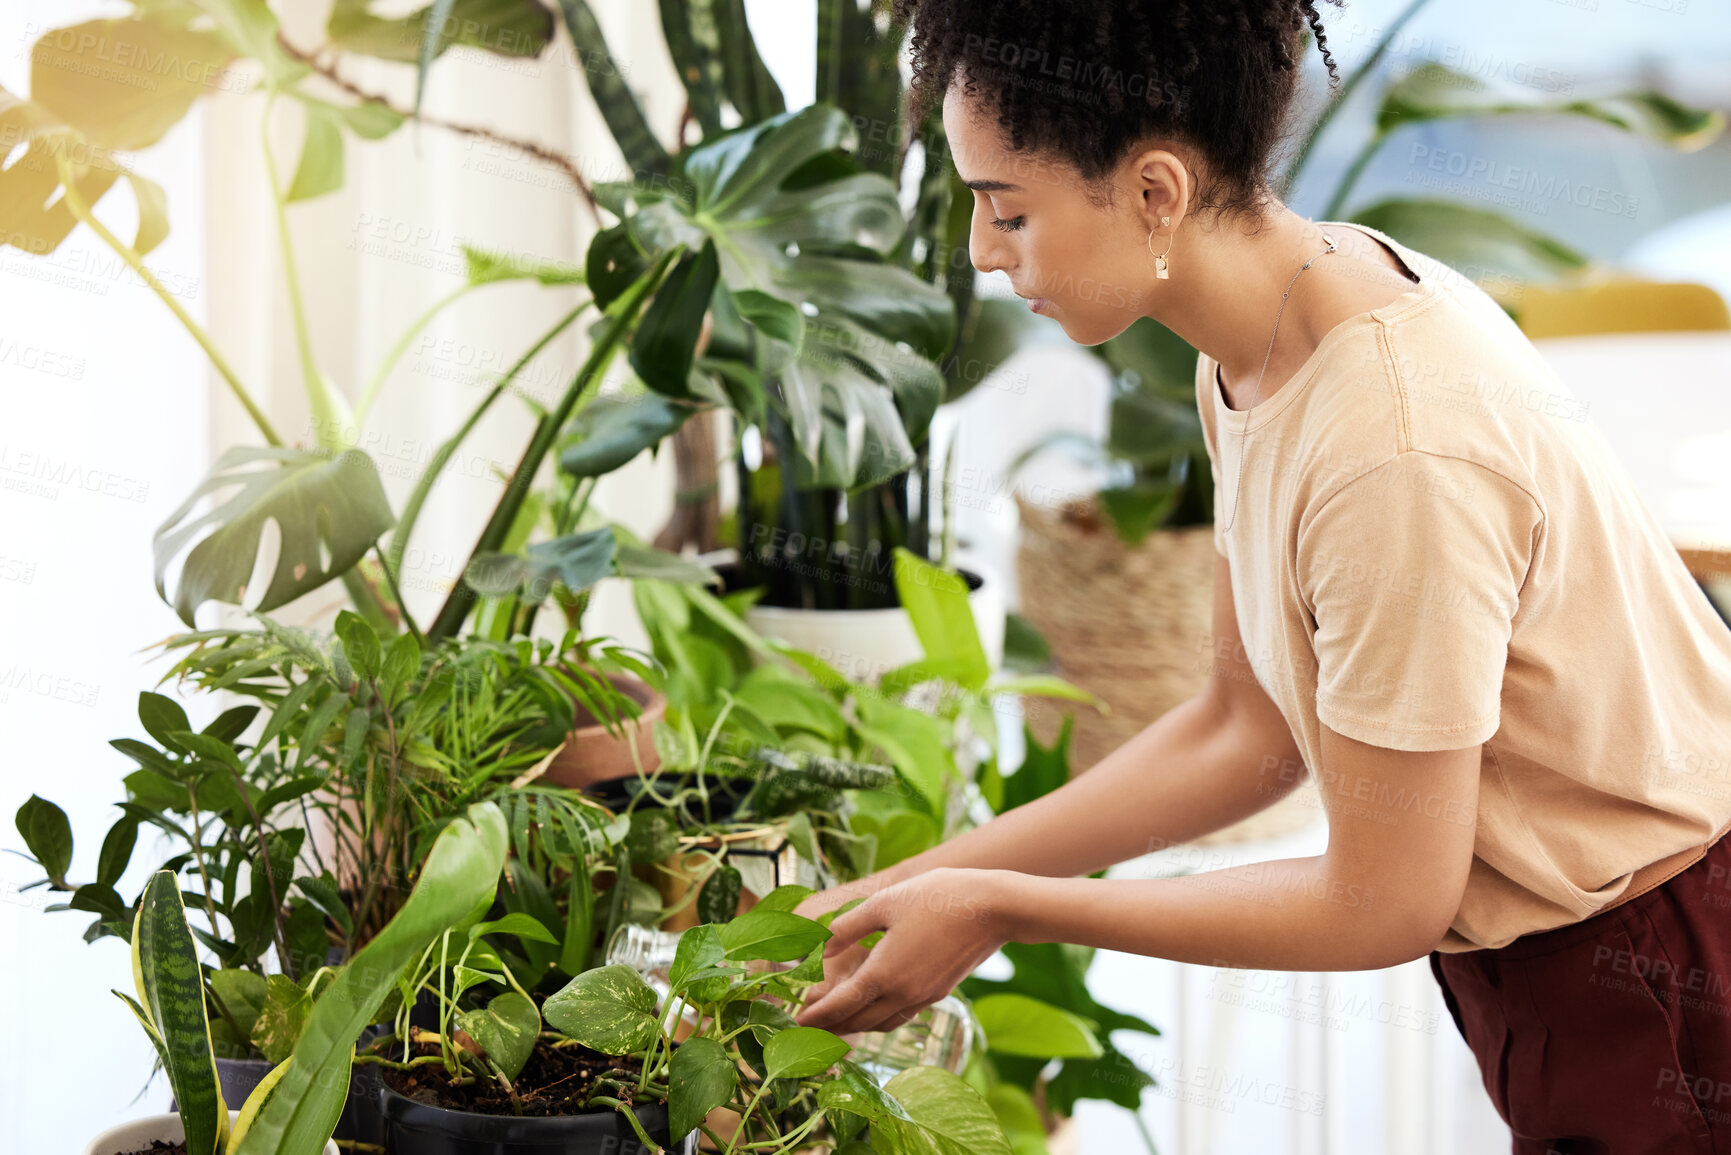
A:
(296, 1106)
(740, 1050)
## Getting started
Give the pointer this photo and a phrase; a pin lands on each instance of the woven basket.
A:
(1132, 626)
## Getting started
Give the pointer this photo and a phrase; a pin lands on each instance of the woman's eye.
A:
(1008, 226)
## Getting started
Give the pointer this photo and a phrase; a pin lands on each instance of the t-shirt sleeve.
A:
(1412, 573)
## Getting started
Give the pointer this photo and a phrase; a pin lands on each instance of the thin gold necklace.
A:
(1237, 485)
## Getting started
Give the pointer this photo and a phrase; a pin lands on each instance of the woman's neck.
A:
(1225, 292)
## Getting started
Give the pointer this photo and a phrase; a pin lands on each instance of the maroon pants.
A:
(1610, 1036)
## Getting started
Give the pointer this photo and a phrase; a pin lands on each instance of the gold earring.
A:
(1162, 271)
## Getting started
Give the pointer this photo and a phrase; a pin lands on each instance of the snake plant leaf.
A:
(123, 83)
(609, 1009)
(750, 87)
(511, 28)
(254, 1104)
(1492, 246)
(171, 997)
(460, 873)
(1434, 91)
(506, 1028)
(613, 96)
(694, 43)
(329, 511)
(577, 560)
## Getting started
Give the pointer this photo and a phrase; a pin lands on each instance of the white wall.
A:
(103, 430)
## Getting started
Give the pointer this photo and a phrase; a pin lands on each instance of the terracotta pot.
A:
(594, 754)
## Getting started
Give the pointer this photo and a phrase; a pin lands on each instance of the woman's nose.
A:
(984, 249)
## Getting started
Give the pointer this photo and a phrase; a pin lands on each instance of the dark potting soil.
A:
(555, 1081)
(158, 1147)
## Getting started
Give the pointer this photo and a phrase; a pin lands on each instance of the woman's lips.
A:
(1038, 304)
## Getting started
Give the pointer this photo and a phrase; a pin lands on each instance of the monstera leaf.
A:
(801, 235)
(33, 216)
(329, 511)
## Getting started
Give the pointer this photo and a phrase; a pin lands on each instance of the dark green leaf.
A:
(666, 338)
(774, 935)
(48, 834)
(701, 1077)
(506, 1029)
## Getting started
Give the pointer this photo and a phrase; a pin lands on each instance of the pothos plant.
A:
(719, 1045)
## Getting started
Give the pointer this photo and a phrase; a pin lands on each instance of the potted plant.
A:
(295, 1108)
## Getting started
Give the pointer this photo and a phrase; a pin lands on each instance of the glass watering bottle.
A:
(940, 1035)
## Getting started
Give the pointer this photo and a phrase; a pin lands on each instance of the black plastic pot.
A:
(415, 1128)
(725, 794)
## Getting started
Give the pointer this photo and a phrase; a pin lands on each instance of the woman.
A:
(1436, 591)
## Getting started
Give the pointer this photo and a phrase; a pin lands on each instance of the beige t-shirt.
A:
(1432, 547)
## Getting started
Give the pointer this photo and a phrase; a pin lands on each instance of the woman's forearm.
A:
(1192, 771)
(1297, 914)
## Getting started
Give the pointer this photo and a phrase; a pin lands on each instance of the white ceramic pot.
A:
(864, 644)
(137, 1135)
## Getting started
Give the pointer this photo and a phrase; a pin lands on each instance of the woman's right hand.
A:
(840, 966)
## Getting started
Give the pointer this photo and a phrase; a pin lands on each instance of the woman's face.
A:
(1083, 264)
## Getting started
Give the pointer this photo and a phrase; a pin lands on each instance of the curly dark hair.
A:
(1088, 80)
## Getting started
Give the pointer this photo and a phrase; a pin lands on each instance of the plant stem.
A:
(624, 1109)
(75, 205)
(402, 606)
(1350, 178)
(430, 475)
(733, 1143)
(318, 395)
(621, 316)
(1147, 1136)
(1352, 82)
(377, 382)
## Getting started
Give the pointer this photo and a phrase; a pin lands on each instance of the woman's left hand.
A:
(938, 927)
